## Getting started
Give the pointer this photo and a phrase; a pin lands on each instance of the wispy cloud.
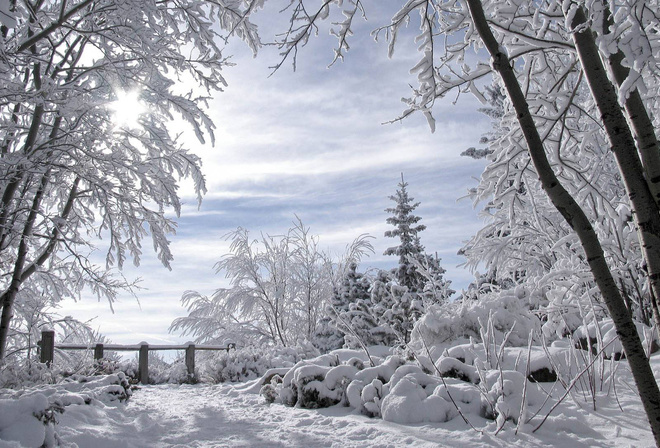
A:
(310, 143)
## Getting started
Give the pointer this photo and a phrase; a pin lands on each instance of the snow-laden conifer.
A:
(406, 229)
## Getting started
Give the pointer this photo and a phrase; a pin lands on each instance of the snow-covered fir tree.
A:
(436, 288)
(406, 228)
(327, 337)
(401, 296)
(351, 309)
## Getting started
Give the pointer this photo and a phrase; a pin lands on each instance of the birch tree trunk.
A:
(577, 219)
(644, 205)
(646, 141)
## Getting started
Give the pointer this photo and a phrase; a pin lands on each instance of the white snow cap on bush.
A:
(454, 321)
(411, 400)
(505, 394)
(21, 421)
(27, 416)
(604, 336)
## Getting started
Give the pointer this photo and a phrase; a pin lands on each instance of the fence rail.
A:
(47, 346)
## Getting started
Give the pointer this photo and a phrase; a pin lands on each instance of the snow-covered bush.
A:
(313, 386)
(23, 373)
(365, 392)
(602, 336)
(504, 393)
(411, 398)
(28, 416)
(248, 363)
(28, 420)
(462, 380)
(507, 312)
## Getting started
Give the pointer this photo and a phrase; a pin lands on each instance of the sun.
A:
(127, 109)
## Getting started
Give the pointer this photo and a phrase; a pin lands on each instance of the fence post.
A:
(98, 352)
(190, 360)
(47, 346)
(143, 371)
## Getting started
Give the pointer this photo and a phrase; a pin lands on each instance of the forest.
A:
(559, 326)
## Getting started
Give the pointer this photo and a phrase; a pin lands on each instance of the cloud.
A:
(311, 143)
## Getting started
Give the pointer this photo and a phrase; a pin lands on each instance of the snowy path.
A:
(221, 416)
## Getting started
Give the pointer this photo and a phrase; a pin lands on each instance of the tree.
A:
(646, 209)
(69, 173)
(279, 286)
(407, 229)
(544, 53)
(419, 276)
(384, 311)
(351, 309)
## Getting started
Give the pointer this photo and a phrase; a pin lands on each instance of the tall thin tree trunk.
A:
(644, 135)
(9, 296)
(577, 219)
(644, 205)
(642, 125)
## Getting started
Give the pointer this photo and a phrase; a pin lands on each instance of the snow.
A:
(18, 422)
(213, 416)
(396, 402)
(417, 411)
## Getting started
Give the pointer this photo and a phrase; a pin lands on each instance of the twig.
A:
(573, 383)
(523, 403)
(428, 352)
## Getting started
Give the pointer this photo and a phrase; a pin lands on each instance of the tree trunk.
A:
(645, 139)
(577, 219)
(644, 205)
(9, 296)
(642, 125)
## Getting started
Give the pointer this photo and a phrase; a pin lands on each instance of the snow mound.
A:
(405, 392)
(28, 420)
(507, 312)
(413, 401)
(27, 416)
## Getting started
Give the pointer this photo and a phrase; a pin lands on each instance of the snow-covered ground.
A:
(229, 416)
(97, 415)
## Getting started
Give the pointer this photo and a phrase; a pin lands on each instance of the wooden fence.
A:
(47, 346)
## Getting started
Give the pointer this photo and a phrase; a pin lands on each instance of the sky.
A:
(310, 143)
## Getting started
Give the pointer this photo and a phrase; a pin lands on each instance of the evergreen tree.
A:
(406, 229)
(351, 308)
(327, 337)
(436, 289)
(382, 302)
(418, 280)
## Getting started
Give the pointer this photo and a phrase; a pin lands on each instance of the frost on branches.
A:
(70, 173)
(279, 288)
(383, 310)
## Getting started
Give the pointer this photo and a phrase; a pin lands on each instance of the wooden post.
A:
(143, 372)
(98, 352)
(190, 360)
(47, 346)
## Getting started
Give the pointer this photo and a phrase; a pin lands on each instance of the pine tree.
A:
(351, 308)
(436, 288)
(407, 230)
(418, 279)
(327, 337)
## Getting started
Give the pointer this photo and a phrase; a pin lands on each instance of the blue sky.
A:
(310, 143)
